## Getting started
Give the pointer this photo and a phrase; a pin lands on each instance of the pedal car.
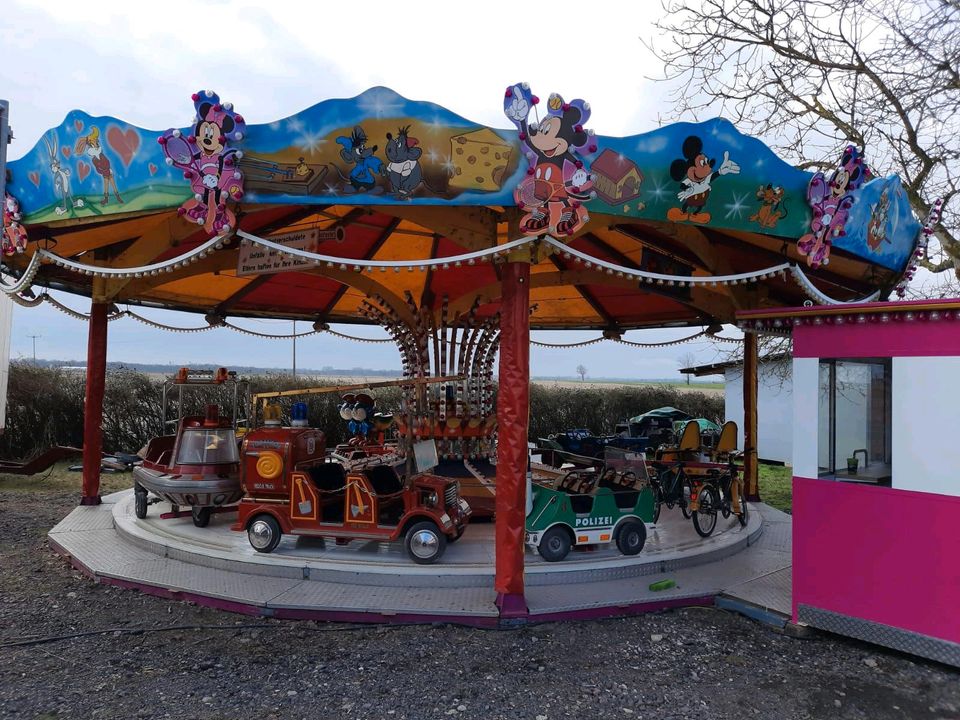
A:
(199, 467)
(590, 507)
(290, 488)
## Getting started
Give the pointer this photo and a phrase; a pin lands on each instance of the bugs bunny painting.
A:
(61, 176)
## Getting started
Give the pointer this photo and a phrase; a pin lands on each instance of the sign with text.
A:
(257, 260)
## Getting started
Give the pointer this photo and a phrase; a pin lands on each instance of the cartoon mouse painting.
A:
(558, 181)
(367, 165)
(403, 170)
(695, 173)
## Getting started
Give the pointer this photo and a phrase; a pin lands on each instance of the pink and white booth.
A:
(876, 470)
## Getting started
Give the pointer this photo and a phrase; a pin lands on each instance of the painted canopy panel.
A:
(382, 149)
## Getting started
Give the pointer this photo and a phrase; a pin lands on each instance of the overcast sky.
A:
(141, 62)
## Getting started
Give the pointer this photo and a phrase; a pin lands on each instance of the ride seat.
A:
(388, 487)
(330, 480)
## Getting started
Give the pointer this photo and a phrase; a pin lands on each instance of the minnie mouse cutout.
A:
(558, 181)
(208, 162)
(831, 201)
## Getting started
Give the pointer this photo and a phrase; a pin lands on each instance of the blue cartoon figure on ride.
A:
(209, 162)
(14, 238)
(366, 165)
(831, 201)
(695, 172)
(558, 180)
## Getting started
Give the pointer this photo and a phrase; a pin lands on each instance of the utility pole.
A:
(294, 349)
(34, 338)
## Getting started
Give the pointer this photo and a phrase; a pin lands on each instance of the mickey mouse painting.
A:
(695, 173)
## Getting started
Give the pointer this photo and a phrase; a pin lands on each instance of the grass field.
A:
(776, 486)
(706, 387)
(60, 479)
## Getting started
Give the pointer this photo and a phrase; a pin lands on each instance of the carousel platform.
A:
(376, 582)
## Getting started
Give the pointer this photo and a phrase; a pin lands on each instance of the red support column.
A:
(513, 410)
(93, 403)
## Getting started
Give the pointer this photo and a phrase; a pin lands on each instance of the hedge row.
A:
(45, 407)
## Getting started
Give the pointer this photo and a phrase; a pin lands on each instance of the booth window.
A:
(855, 421)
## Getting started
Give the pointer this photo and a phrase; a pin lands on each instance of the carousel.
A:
(457, 240)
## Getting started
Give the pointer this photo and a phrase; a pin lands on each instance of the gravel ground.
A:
(700, 663)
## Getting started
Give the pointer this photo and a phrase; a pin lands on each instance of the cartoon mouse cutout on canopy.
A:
(14, 239)
(831, 201)
(208, 162)
(558, 181)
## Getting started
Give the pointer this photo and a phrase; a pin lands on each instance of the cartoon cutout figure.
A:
(558, 181)
(14, 239)
(877, 227)
(91, 146)
(403, 169)
(367, 166)
(831, 201)
(358, 410)
(695, 173)
(772, 209)
(61, 176)
(208, 162)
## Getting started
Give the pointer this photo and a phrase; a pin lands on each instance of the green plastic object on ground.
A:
(662, 585)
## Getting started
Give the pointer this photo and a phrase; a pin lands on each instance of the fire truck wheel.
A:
(140, 500)
(264, 533)
(555, 544)
(632, 537)
(425, 543)
(201, 516)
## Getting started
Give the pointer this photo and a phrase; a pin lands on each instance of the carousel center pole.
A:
(513, 409)
(93, 403)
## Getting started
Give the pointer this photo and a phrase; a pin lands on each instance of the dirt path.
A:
(699, 663)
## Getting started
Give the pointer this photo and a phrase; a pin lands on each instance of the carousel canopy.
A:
(377, 195)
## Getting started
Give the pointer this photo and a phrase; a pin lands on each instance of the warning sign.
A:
(258, 260)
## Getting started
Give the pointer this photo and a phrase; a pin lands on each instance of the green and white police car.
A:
(590, 507)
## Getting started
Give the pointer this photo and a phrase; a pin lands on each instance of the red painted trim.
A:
(93, 403)
(513, 411)
(877, 554)
(896, 338)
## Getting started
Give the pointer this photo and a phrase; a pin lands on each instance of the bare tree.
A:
(687, 360)
(582, 372)
(810, 76)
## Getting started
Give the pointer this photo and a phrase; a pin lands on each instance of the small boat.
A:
(199, 467)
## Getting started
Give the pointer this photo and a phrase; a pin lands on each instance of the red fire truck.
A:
(291, 488)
